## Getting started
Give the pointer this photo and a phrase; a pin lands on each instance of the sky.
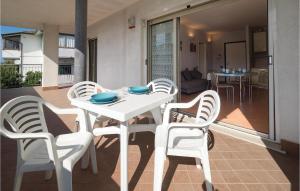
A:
(9, 29)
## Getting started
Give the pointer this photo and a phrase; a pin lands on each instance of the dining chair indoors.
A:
(186, 139)
(158, 85)
(217, 85)
(22, 119)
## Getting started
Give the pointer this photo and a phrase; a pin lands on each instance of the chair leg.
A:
(85, 160)
(48, 174)
(18, 179)
(198, 163)
(93, 158)
(64, 178)
(206, 171)
(158, 168)
(232, 95)
(134, 134)
(251, 94)
(227, 93)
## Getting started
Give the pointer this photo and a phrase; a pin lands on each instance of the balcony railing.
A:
(65, 75)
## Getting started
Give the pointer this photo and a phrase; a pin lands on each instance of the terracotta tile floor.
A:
(252, 115)
(235, 164)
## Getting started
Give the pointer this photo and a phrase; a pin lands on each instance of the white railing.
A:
(65, 75)
(65, 79)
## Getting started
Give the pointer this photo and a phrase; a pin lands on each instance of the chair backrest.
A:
(214, 82)
(208, 76)
(163, 85)
(259, 76)
(24, 115)
(209, 106)
(85, 88)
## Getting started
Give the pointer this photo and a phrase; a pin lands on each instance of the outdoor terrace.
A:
(235, 164)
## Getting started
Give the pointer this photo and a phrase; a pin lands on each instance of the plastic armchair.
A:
(39, 150)
(186, 139)
(86, 89)
(158, 85)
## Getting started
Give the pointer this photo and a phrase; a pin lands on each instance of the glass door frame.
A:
(92, 75)
(176, 32)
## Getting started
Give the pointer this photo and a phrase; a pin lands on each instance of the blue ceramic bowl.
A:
(138, 89)
(104, 97)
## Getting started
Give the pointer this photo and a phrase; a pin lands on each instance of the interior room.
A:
(226, 49)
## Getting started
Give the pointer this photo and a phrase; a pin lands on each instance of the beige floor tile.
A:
(237, 187)
(246, 176)
(263, 176)
(230, 177)
(255, 187)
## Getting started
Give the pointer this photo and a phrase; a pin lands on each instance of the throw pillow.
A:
(196, 74)
(187, 75)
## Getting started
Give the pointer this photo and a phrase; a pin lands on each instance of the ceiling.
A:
(229, 17)
(35, 13)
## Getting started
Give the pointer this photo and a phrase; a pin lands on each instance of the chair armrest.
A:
(41, 135)
(65, 111)
(171, 106)
(62, 111)
(189, 125)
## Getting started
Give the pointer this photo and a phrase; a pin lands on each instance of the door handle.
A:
(270, 60)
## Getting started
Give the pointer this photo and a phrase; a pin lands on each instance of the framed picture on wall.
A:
(192, 47)
(260, 42)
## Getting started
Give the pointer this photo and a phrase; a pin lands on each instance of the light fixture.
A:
(209, 38)
(191, 34)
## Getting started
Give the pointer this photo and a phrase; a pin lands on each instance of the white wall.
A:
(190, 59)
(217, 46)
(287, 69)
(32, 49)
(121, 52)
(11, 54)
(66, 52)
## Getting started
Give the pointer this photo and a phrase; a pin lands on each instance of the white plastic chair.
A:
(83, 89)
(158, 85)
(38, 150)
(186, 139)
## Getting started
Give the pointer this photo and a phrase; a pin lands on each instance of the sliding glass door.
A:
(162, 49)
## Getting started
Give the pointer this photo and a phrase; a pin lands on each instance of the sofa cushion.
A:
(196, 74)
(187, 75)
(193, 86)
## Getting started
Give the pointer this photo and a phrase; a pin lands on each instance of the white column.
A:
(50, 56)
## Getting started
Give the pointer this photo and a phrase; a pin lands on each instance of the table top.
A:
(127, 107)
(237, 74)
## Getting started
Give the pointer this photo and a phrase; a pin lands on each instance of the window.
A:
(66, 41)
(11, 44)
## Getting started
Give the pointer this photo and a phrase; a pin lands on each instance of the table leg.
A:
(124, 155)
(156, 113)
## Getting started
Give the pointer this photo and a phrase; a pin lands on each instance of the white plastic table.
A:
(128, 107)
(237, 74)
